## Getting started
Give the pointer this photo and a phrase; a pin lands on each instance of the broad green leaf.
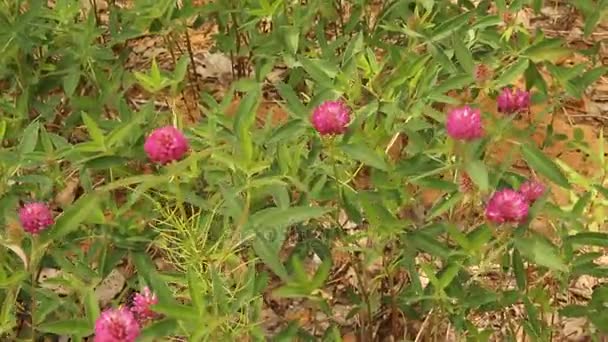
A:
(547, 50)
(72, 217)
(291, 35)
(512, 73)
(455, 82)
(69, 327)
(540, 251)
(445, 28)
(278, 217)
(463, 55)
(366, 155)
(29, 139)
(160, 329)
(545, 166)
(70, 81)
(478, 173)
(321, 72)
(177, 311)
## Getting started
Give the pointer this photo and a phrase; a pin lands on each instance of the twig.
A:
(424, 324)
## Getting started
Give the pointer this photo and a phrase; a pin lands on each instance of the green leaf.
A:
(278, 217)
(376, 212)
(29, 139)
(293, 103)
(428, 244)
(447, 275)
(291, 36)
(589, 239)
(366, 155)
(463, 55)
(163, 328)
(545, 166)
(455, 82)
(478, 173)
(94, 131)
(511, 74)
(69, 327)
(573, 310)
(445, 204)
(177, 311)
(270, 257)
(519, 270)
(321, 72)
(2, 130)
(72, 217)
(70, 82)
(547, 50)
(540, 251)
(91, 306)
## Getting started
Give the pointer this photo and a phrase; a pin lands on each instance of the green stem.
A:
(33, 269)
(334, 161)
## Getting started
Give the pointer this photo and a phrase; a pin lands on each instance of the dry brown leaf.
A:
(110, 286)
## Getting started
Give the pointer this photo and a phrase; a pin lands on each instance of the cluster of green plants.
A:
(221, 215)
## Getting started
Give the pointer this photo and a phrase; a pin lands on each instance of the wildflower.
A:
(166, 144)
(331, 118)
(513, 101)
(464, 123)
(466, 183)
(141, 305)
(116, 325)
(35, 217)
(507, 205)
(532, 190)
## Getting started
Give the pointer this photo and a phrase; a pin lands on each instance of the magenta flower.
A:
(507, 205)
(141, 305)
(513, 101)
(532, 190)
(116, 325)
(464, 123)
(35, 217)
(166, 144)
(331, 118)
(522, 100)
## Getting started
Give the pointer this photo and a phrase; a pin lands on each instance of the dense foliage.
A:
(405, 148)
